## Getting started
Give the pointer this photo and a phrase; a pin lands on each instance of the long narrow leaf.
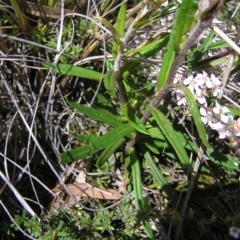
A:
(183, 22)
(167, 129)
(97, 114)
(96, 144)
(101, 142)
(143, 52)
(72, 70)
(108, 152)
(168, 60)
(137, 185)
(77, 154)
(120, 25)
(133, 119)
(166, 187)
(193, 108)
(216, 157)
(117, 36)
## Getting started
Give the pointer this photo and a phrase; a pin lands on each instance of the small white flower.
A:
(207, 118)
(221, 128)
(199, 80)
(207, 80)
(190, 82)
(216, 82)
(182, 101)
(226, 119)
(201, 99)
(204, 80)
(178, 78)
(217, 126)
(199, 95)
(234, 232)
(219, 109)
(180, 97)
(222, 132)
(221, 112)
(217, 92)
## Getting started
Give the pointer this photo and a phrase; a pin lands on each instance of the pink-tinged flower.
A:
(178, 78)
(207, 118)
(227, 119)
(190, 82)
(221, 112)
(181, 100)
(219, 109)
(236, 127)
(180, 97)
(217, 92)
(231, 133)
(217, 126)
(216, 86)
(216, 82)
(199, 95)
(222, 131)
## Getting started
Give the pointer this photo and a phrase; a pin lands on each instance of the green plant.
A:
(139, 126)
(169, 147)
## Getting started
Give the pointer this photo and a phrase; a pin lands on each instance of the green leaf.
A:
(152, 147)
(218, 45)
(224, 160)
(77, 154)
(214, 156)
(167, 129)
(110, 84)
(210, 64)
(72, 70)
(136, 175)
(133, 119)
(142, 52)
(184, 20)
(110, 79)
(168, 60)
(120, 25)
(158, 176)
(137, 186)
(234, 111)
(108, 152)
(193, 109)
(115, 33)
(201, 50)
(101, 142)
(105, 5)
(101, 115)
(143, 20)
(95, 143)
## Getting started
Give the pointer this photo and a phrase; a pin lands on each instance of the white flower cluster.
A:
(217, 117)
(201, 86)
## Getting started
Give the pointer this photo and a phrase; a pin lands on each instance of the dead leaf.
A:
(86, 190)
(80, 190)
